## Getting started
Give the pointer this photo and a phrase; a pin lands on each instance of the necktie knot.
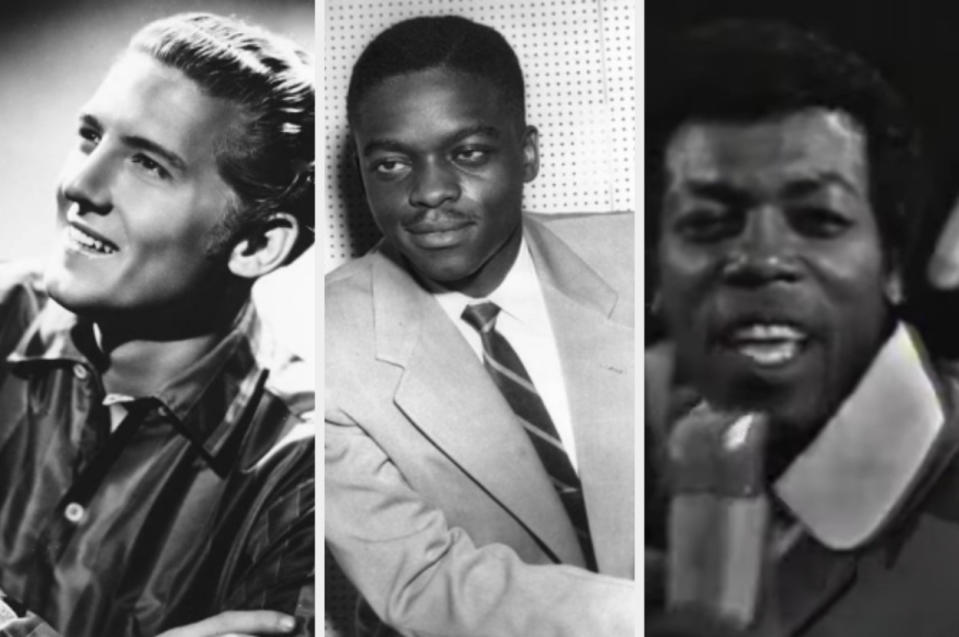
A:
(482, 316)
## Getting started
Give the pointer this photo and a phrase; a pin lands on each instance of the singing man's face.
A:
(444, 159)
(772, 274)
(140, 193)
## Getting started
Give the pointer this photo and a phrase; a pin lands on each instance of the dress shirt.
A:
(201, 500)
(524, 322)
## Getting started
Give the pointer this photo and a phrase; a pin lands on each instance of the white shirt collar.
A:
(861, 468)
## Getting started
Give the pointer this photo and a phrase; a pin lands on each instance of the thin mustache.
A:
(431, 214)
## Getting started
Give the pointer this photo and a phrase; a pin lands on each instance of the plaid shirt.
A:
(201, 500)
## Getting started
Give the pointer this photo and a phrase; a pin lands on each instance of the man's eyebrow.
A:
(718, 191)
(386, 144)
(808, 185)
(142, 143)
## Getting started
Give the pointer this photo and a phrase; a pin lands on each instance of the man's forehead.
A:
(432, 96)
(807, 144)
(140, 96)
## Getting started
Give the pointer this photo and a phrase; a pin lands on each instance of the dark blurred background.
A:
(53, 54)
(916, 47)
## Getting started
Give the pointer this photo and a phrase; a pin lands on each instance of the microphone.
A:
(718, 514)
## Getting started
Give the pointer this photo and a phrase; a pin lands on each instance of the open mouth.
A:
(768, 344)
(88, 242)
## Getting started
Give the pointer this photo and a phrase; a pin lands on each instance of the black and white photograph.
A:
(157, 318)
(802, 319)
(479, 350)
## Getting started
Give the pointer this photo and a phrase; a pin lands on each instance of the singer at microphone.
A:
(813, 491)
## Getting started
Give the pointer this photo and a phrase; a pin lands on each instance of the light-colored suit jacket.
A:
(437, 507)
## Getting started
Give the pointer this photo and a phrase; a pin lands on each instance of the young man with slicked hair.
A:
(156, 446)
(479, 363)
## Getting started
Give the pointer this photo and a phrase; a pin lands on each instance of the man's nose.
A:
(87, 181)
(435, 184)
(764, 252)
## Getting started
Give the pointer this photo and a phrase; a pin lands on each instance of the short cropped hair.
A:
(270, 166)
(743, 71)
(447, 42)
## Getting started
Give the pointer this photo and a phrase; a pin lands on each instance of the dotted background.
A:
(578, 61)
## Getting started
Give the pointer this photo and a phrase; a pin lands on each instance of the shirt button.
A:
(73, 512)
(80, 371)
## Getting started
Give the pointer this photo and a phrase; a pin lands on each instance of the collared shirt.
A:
(853, 479)
(200, 500)
(524, 322)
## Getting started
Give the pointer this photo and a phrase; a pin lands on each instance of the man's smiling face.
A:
(772, 275)
(141, 194)
(443, 159)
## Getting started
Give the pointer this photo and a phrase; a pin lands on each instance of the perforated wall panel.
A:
(578, 60)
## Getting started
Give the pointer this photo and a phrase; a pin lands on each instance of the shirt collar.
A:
(204, 401)
(512, 295)
(858, 472)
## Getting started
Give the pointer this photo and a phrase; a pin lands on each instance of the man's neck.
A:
(140, 367)
(139, 357)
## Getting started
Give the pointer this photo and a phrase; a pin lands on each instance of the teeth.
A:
(768, 344)
(91, 243)
(765, 332)
(770, 354)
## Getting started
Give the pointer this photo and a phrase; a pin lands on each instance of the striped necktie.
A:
(507, 371)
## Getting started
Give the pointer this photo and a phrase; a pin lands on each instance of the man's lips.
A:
(767, 344)
(438, 233)
(433, 226)
(89, 239)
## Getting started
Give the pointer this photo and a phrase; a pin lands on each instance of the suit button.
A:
(74, 512)
(80, 371)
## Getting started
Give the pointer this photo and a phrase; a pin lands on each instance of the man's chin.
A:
(449, 272)
(70, 294)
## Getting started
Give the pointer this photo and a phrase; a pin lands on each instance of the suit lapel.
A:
(447, 394)
(597, 356)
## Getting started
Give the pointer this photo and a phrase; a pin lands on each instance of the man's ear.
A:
(530, 154)
(265, 249)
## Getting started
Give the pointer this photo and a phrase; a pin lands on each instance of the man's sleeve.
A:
(423, 577)
(277, 570)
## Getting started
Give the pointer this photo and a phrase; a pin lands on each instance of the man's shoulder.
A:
(600, 222)
(348, 295)
(348, 312)
(590, 232)
(22, 297)
(603, 241)
(350, 281)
